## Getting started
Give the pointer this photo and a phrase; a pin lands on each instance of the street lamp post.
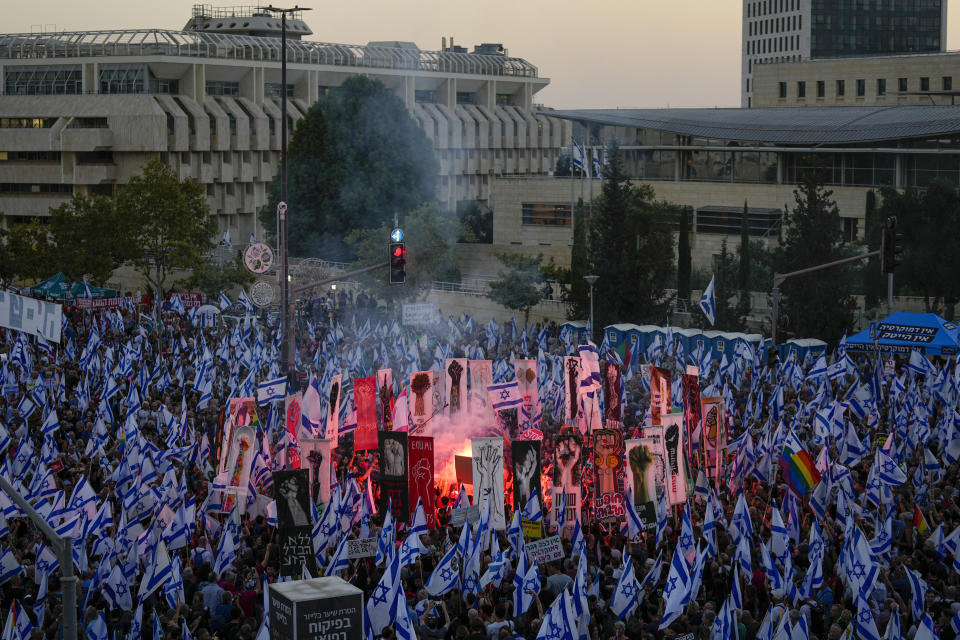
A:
(286, 304)
(590, 281)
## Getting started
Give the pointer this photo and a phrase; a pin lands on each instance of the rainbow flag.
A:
(799, 471)
(919, 521)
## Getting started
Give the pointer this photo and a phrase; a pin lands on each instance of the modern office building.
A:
(81, 112)
(788, 31)
(716, 160)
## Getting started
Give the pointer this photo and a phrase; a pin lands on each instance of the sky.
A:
(597, 53)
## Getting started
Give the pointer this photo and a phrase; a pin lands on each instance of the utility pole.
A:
(778, 279)
(286, 304)
(63, 547)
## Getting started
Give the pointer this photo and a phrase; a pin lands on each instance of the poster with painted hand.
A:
(316, 457)
(394, 483)
(488, 478)
(365, 402)
(676, 458)
(456, 386)
(714, 436)
(567, 474)
(526, 471)
(642, 455)
(659, 393)
(294, 522)
(571, 386)
(608, 470)
(292, 409)
(421, 477)
(481, 377)
(385, 398)
(421, 398)
(333, 415)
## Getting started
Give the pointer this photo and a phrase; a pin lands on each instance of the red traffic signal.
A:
(398, 261)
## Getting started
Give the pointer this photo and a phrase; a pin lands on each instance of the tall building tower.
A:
(776, 31)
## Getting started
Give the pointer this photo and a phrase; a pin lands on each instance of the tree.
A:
(522, 286)
(170, 227)
(431, 254)
(211, 278)
(631, 250)
(743, 281)
(930, 223)
(576, 293)
(816, 305)
(683, 256)
(725, 273)
(355, 160)
(476, 225)
(28, 246)
(87, 236)
(874, 282)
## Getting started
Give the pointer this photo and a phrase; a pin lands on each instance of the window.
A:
(861, 88)
(555, 215)
(122, 79)
(849, 229)
(947, 83)
(425, 96)
(89, 123)
(95, 157)
(41, 189)
(233, 124)
(167, 87)
(783, 89)
(821, 88)
(504, 99)
(924, 84)
(881, 86)
(43, 81)
(213, 126)
(901, 84)
(29, 156)
(801, 89)
(841, 88)
(27, 123)
(273, 90)
(466, 97)
(222, 88)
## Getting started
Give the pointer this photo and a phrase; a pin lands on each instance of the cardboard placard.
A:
(471, 513)
(362, 548)
(532, 530)
(546, 550)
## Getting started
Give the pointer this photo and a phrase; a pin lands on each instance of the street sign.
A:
(397, 235)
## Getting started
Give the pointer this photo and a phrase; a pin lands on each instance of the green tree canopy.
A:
(355, 160)
(431, 254)
(522, 285)
(816, 305)
(630, 249)
(212, 278)
(930, 223)
(87, 236)
(170, 227)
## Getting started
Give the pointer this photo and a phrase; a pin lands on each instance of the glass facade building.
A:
(871, 27)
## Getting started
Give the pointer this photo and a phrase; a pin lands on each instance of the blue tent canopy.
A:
(903, 332)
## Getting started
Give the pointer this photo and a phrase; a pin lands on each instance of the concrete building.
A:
(82, 112)
(788, 31)
(922, 78)
(715, 160)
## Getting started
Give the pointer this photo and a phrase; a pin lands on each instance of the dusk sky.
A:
(597, 53)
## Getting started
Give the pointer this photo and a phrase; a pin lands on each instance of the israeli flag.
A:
(271, 390)
(176, 304)
(158, 572)
(625, 596)
(9, 567)
(577, 155)
(224, 301)
(445, 576)
(708, 302)
(504, 396)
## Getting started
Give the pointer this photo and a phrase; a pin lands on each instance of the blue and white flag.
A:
(926, 630)
(176, 304)
(918, 592)
(577, 155)
(9, 567)
(505, 396)
(96, 631)
(708, 302)
(888, 471)
(270, 390)
(866, 625)
(157, 573)
(625, 596)
(445, 575)
(116, 590)
(676, 590)
(224, 301)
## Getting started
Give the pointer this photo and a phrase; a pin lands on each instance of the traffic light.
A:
(891, 246)
(398, 263)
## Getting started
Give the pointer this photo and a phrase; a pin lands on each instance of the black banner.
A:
(294, 522)
(394, 477)
(526, 471)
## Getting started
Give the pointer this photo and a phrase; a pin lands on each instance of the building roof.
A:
(47, 48)
(784, 125)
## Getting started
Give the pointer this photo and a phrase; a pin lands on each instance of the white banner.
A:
(418, 315)
(36, 317)
(488, 478)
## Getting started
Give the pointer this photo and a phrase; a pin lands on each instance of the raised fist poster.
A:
(292, 409)
(612, 386)
(316, 458)
(421, 477)
(488, 479)
(571, 388)
(526, 471)
(333, 413)
(642, 456)
(714, 434)
(481, 377)
(420, 398)
(385, 398)
(691, 417)
(456, 380)
(394, 484)
(676, 458)
(365, 402)
(608, 475)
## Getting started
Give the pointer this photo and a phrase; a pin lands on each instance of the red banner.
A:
(421, 477)
(691, 417)
(365, 401)
(104, 303)
(292, 423)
